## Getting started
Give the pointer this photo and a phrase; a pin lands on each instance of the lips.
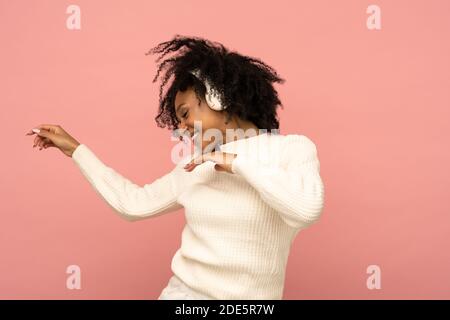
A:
(187, 133)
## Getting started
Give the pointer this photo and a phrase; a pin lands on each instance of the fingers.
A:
(32, 131)
(36, 140)
(222, 161)
(48, 145)
(47, 134)
(53, 127)
(42, 143)
(43, 137)
(48, 127)
(195, 162)
(45, 145)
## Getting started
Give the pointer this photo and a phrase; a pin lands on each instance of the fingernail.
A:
(36, 130)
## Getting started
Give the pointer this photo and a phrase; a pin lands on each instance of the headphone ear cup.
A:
(213, 100)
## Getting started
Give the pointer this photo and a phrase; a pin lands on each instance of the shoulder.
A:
(298, 147)
(296, 142)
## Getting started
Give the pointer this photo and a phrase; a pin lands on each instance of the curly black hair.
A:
(245, 83)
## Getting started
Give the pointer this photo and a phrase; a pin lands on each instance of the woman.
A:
(246, 192)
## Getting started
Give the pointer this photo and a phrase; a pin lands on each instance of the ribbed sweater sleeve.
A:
(295, 191)
(131, 201)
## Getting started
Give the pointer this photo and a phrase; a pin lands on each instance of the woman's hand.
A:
(49, 135)
(222, 160)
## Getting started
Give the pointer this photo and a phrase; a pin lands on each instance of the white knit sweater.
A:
(239, 227)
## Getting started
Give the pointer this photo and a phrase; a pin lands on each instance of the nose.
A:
(184, 128)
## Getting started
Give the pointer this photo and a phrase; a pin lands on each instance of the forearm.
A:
(131, 201)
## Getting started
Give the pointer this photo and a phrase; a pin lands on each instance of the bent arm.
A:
(295, 192)
(130, 201)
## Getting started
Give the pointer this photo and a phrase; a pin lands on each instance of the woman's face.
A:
(188, 111)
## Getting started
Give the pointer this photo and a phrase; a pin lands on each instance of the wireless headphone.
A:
(212, 97)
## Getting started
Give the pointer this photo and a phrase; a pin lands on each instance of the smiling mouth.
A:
(189, 134)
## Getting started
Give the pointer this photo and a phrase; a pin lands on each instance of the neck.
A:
(249, 128)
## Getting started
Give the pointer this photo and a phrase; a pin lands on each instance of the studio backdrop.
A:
(367, 81)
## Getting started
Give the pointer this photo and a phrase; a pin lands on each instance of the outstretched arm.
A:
(131, 201)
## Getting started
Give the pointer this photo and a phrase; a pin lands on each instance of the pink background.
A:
(375, 102)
